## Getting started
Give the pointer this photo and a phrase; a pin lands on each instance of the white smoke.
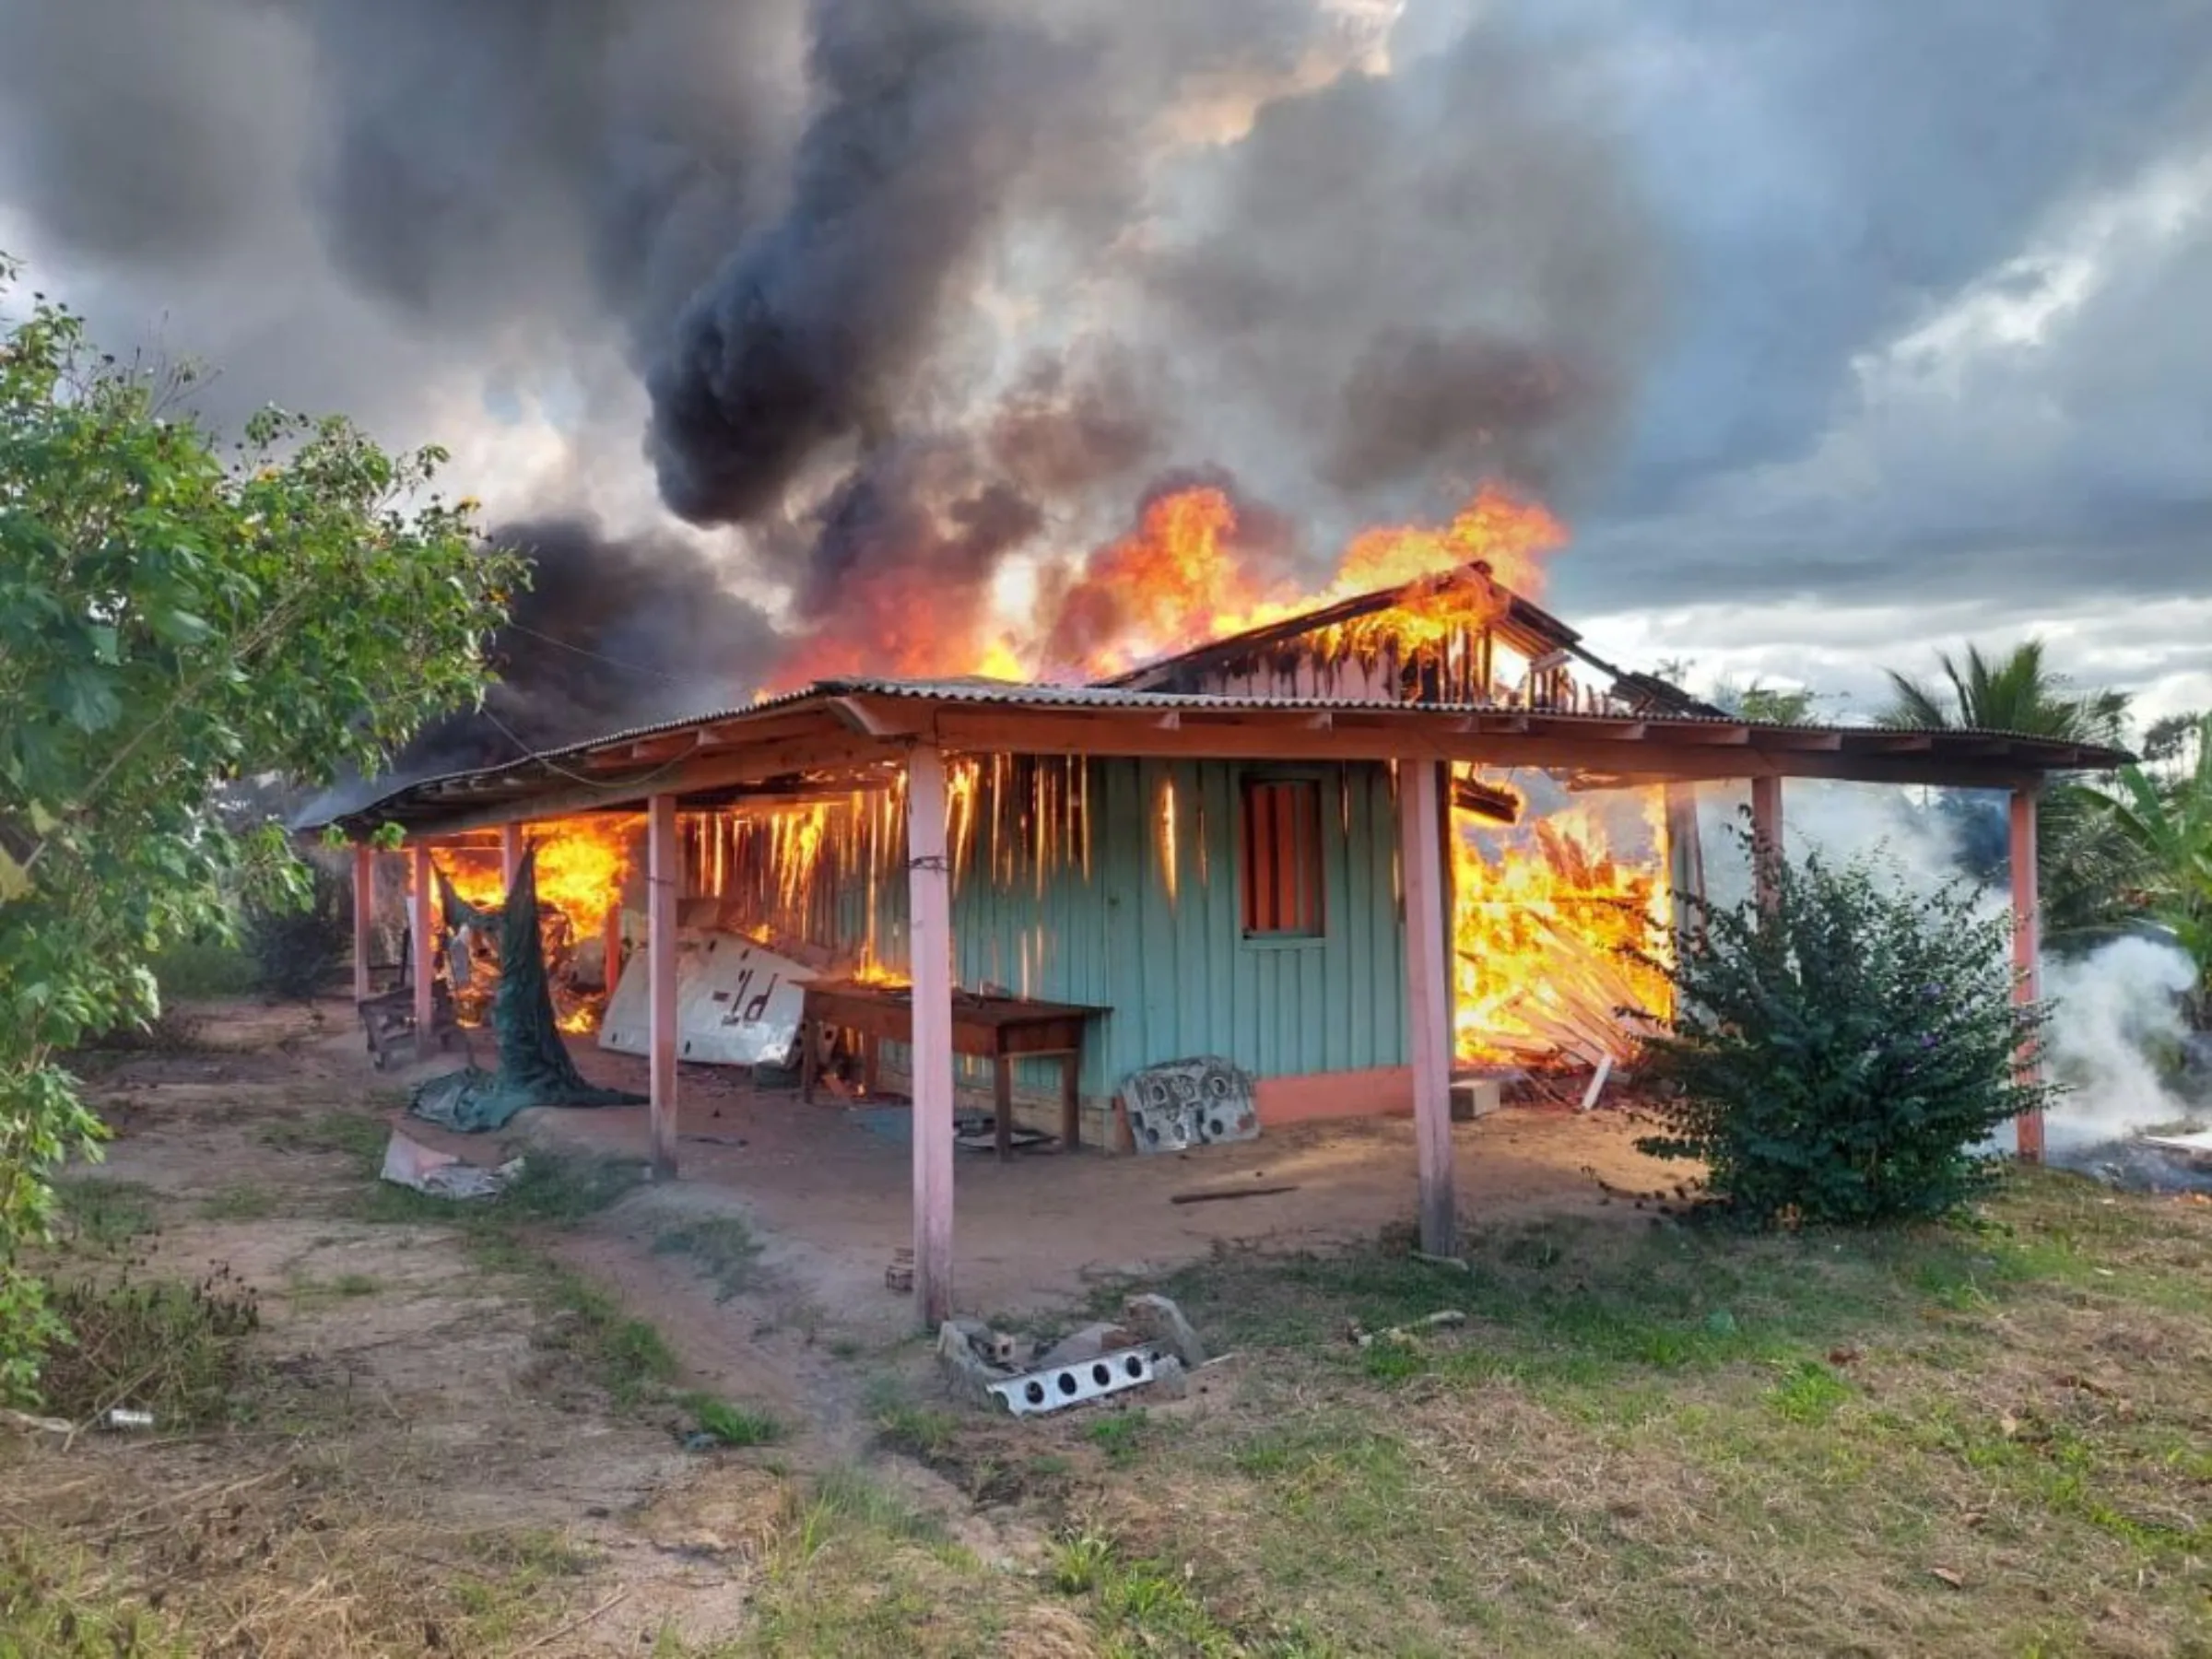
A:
(2116, 1016)
(2116, 1011)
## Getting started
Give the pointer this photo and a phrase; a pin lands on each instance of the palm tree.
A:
(2015, 693)
(2085, 862)
(2172, 828)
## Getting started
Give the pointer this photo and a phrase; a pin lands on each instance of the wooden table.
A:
(999, 1029)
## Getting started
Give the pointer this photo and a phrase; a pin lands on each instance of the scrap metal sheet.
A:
(737, 1003)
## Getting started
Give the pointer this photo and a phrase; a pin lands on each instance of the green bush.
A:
(1846, 1059)
(296, 949)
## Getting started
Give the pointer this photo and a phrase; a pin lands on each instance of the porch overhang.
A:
(845, 735)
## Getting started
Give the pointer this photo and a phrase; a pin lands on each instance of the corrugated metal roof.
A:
(1078, 699)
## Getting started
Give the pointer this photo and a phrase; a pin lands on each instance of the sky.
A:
(1840, 333)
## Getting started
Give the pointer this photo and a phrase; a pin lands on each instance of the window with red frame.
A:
(1281, 868)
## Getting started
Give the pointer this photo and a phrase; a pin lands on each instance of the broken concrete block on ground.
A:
(1078, 1347)
(1156, 1318)
(961, 1347)
(1154, 1350)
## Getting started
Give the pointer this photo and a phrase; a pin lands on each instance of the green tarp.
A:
(535, 1066)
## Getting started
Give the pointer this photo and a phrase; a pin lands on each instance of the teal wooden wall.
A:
(1164, 953)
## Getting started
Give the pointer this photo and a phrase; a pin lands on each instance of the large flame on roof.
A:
(1177, 580)
(1182, 576)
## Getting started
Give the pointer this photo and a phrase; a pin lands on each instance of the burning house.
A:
(1353, 848)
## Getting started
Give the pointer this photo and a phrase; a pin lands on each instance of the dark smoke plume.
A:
(612, 632)
(928, 111)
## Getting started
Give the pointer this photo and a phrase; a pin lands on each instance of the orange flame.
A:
(1177, 581)
(1540, 938)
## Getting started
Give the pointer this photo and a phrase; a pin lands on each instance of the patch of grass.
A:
(561, 1189)
(1976, 1439)
(175, 1348)
(51, 1607)
(98, 1214)
(628, 1357)
(240, 1201)
(722, 1246)
(1809, 1393)
(1144, 1605)
(732, 1425)
(358, 1135)
(919, 1431)
(1121, 1436)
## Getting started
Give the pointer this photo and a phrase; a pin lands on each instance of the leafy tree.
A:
(2084, 867)
(2174, 742)
(169, 622)
(1841, 1059)
(2172, 828)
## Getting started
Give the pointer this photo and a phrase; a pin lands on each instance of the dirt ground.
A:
(421, 1413)
(831, 1198)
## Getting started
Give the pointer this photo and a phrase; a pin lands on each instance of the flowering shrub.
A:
(1845, 1058)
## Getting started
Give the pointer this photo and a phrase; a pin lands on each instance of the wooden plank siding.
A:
(1111, 925)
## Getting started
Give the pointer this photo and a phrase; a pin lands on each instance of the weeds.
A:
(52, 1609)
(732, 1425)
(99, 1214)
(173, 1347)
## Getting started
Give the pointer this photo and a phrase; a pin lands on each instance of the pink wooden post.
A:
(1766, 837)
(364, 915)
(929, 943)
(510, 856)
(2027, 948)
(664, 877)
(422, 939)
(1429, 1000)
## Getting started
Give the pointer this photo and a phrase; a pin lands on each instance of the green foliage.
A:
(732, 1425)
(171, 622)
(2084, 867)
(298, 939)
(2017, 692)
(167, 1346)
(202, 968)
(1784, 705)
(1840, 1059)
(2172, 828)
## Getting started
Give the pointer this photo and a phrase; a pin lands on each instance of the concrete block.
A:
(967, 1373)
(1158, 1320)
(1475, 1098)
(1077, 1348)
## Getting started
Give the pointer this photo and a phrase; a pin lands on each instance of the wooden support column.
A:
(364, 915)
(2027, 951)
(510, 856)
(664, 879)
(929, 946)
(422, 942)
(1766, 838)
(1429, 1000)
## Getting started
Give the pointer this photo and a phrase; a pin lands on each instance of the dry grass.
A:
(1988, 1439)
